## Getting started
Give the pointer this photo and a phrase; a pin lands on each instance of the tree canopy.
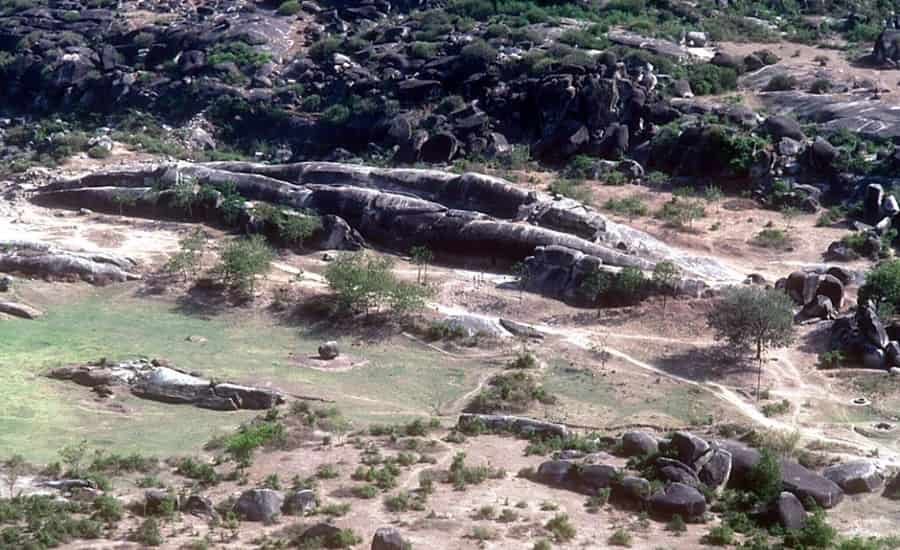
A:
(754, 316)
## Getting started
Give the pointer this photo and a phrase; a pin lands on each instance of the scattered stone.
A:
(259, 505)
(388, 538)
(678, 499)
(858, 476)
(639, 444)
(299, 503)
(789, 509)
(329, 350)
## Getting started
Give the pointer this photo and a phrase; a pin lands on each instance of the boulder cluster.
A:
(864, 338)
(690, 467)
(820, 292)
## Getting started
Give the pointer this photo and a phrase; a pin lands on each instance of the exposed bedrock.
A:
(157, 382)
(471, 215)
(37, 259)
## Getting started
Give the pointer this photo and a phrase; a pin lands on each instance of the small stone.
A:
(329, 350)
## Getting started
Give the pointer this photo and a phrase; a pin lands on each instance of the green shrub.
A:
(720, 535)
(148, 533)
(815, 533)
(831, 216)
(240, 53)
(709, 79)
(107, 509)
(242, 260)
(561, 528)
(572, 189)
(781, 83)
(771, 238)
(776, 409)
(882, 286)
(323, 50)
(676, 525)
(831, 359)
(620, 537)
(820, 86)
(365, 282)
(631, 207)
(312, 103)
(291, 7)
(512, 392)
(480, 52)
(336, 115)
(681, 212)
(764, 478)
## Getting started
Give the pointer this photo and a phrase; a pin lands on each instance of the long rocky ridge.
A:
(471, 216)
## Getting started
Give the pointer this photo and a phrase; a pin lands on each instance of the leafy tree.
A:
(187, 260)
(14, 467)
(882, 286)
(296, 227)
(666, 275)
(421, 256)
(753, 316)
(366, 282)
(184, 192)
(243, 259)
(764, 478)
(520, 272)
(123, 199)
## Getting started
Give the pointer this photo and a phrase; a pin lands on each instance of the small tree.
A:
(366, 282)
(14, 466)
(184, 192)
(520, 272)
(123, 199)
(421, 256)
(882, 286)
(666, 275)
(753, 316)
(187, 260)
(243, 259)
(296, 227)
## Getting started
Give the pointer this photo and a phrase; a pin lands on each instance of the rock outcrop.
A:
(151, 380)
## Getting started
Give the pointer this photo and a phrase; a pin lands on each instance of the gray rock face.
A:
(329, 350)
(790, 511)
(678, 499)
(689, 447)
(592, 477)
(676, 471)
(556, 473)
(37, 259)
(716, 470)
(150, 380)
(871, 327)
(631, 489)
(859, 476)
(783, 127)
(804, 483)
(639, 444)
(259, 505)
(388, 538)
(743, 459)
(299, 503)
(887, 48)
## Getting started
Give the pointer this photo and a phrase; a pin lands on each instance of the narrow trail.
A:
(787, 374)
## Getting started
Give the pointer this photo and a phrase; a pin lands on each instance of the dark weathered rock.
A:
(887, 48)
(259, 505)
(689, 447)
(299, 503)
(325, 533)
(673, 470)
(556, 473)
(832, 288)
(157, 501)
(790, 511)
(781, 126)
(716, 468)
(805, 484)
(870, 326)
(631, 489)
(388, 538)
(592, 477)
(639, 444)
(859, 476)
(743, 459)
(199, 505)
(329, 350)
(678, 499)
(892, 488)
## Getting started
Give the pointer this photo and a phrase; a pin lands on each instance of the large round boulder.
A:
(858, 476)
(329, 350)
(678, 499)
(388, 538)
(259, 505)
(639, 444)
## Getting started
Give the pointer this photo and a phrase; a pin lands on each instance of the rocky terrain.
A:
(457, 274)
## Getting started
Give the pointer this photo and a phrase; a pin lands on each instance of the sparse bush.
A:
(764, 478)
(831, 216)
(631, 207)
(719, 535)
(709, 79)
(148, 533)
(781, 83)
(831, 359)
(815, 533)
(681, 212)
(620, 537)
(572, 189)
(366, 282)
(676, 525)
(772, 238)
(820, 86)
(511, 392)
(336, 115)
(776, 409)
(291, 7)
(203, 473)
(561, 527)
